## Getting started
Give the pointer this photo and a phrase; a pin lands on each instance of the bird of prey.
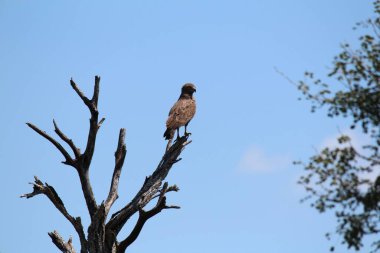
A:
(181, 113)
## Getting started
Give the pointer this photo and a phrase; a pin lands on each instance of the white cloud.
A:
(256, 160)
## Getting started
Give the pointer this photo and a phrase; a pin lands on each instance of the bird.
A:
(181, 113)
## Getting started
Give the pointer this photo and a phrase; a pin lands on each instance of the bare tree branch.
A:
(143, 217)
(95, 96)
(87, 192)
(80, 93)
(69, 160)
(120, 153)
(67, 140)
(92, 106)
(149, 188)
(60, 243)
(49, 191)
(85, 159)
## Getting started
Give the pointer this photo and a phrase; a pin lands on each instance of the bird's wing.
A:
(181, 113)
(173, 115)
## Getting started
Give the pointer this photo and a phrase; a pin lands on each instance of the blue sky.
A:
(238, 184)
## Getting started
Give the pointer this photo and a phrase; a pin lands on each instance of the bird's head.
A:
(188, 88)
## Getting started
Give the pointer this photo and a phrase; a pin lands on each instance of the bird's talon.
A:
(187, 134)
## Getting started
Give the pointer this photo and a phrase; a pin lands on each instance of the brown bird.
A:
(181, 113)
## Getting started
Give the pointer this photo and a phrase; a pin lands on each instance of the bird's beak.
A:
(195, 90)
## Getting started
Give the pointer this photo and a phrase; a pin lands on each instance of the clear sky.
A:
(238, 184)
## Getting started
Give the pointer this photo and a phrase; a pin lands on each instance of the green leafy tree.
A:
(346, 179)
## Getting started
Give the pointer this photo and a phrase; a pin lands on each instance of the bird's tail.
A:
(169, 133)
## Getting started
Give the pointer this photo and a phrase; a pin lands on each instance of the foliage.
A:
(338, 178)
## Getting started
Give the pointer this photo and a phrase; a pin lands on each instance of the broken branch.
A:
(60, 243)
(120, 153)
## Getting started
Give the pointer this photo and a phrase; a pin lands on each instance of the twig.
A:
(285, 76)
(67, 140)
(69, 160)
(101, 122)
(80, 93)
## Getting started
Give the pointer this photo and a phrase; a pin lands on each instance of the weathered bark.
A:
(49, 191)
(143, 217)
(65, 247)
(102, 235)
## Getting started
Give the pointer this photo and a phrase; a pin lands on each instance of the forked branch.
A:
(81, 161)
(49, 191)
(143, 217)
(149, 189)
(66, 247)
(84, 160)
(69, 160)
(94, 124)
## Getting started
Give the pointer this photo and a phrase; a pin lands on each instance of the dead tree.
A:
(102, 233)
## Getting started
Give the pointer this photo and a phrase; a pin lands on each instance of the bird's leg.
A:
(186, 133)
(177, 133)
